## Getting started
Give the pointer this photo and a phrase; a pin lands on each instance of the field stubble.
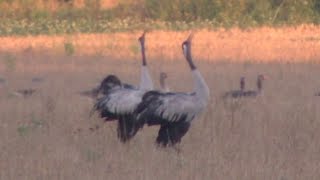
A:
(48, 136)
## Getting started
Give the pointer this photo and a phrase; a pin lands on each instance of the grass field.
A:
(48, 136)
(287, 44)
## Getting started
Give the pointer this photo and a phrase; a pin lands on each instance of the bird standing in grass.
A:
(120, 101)
(236, 93)
(254, 93)
(174, 111)
(28, 92)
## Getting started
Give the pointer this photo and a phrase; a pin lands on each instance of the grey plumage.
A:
(120, 100)
(174, 111)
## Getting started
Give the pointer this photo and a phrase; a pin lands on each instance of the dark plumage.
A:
(171, 133)
(103, 88)
(108, 83)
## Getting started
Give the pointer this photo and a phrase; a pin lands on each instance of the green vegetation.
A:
(69, 48)
(35, 123)
(152, 14)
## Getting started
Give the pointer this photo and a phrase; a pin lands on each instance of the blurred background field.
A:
(23, 17)
(265, 44)
(235, 30)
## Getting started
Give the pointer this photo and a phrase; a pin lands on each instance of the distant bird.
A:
(2, 80)
(174, 111)
(2, 84)
(24, 92)
(252, 93)
(37, 80)
(120, 100)
(236, 93)
(317, 94)
(163, 85)
(27, 92)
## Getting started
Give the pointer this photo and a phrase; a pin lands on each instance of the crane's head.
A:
(142, 37)
(186, 46)
(108, 83)
(163, 75)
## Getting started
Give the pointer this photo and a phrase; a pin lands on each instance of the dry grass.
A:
(275, 136)
(291, 44)
(53, 5)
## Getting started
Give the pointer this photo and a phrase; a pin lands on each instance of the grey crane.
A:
(120, 101)
(174, 111)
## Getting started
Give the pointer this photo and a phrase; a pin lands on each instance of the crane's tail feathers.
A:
(127, 128)
(163, 136)
(145, 110)
(171, 133)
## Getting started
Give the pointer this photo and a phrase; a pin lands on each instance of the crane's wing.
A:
(158, 108)
(171, 133)
(129, 86)
(119, 102)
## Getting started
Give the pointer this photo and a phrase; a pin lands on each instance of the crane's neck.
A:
(145, 79)
(163, 85)
(144, 61)
(200, 88)
(242, 84)
(259, 85)
(189, 57)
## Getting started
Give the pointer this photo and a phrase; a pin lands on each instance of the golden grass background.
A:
(48, 136)
(287, 44)
(53, 5)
